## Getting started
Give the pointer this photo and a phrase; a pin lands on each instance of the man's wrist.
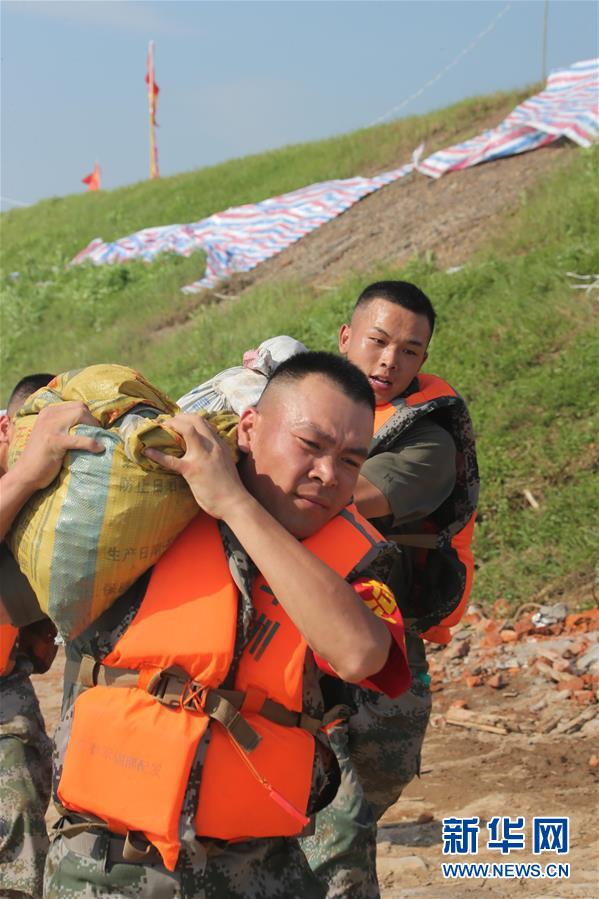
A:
(26, 480)
(240, 507)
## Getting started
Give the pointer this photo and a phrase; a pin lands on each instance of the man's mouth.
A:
(313, 501)
(378, 382)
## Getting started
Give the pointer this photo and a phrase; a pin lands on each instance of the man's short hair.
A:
(352, 382)
(402, 293)
(26, 386)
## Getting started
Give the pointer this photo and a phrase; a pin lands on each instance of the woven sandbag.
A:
(107, 517)
(237, 388)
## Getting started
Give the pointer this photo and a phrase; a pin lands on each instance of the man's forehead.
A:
(391, 318)
(318, 402)
(334, 432)
(314, 387)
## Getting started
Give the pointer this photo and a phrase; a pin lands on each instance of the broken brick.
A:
(583, 696)
(491, 639)
(562, 665)
(508, 636)
(571, 683)
(523, 625)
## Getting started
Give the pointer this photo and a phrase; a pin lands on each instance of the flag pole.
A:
(544, 55)
(154, 173)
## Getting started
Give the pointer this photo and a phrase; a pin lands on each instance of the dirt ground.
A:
(535, 690)
(451, 217)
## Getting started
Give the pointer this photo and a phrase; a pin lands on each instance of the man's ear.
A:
(247, 422)
(344, 336)
(4, 429)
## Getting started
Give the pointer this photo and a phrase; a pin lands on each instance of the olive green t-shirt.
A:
(416, 477)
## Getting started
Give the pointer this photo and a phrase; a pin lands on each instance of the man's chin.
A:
(303, 525)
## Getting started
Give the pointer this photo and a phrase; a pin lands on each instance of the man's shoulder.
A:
(423, 431)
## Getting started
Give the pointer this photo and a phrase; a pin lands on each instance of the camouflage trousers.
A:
(90, 865)
(378, 749)
(25, 778)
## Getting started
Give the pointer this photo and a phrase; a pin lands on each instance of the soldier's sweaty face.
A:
(388, 343)
(304, 447)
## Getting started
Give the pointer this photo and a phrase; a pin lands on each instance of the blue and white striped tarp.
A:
(241, 237)
(568, 107)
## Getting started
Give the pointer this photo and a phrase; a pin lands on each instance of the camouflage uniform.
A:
(423, 461)
(378, 744)
(25, 777)
(90, 864)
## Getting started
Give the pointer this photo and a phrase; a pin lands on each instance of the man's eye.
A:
(409, 352)
(309, 443)
(353, 463)
(376, 340)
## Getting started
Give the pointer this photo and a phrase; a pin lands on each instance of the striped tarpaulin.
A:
(238, 239)
(568, 107)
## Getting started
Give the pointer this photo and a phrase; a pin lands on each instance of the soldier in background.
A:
(419, 487)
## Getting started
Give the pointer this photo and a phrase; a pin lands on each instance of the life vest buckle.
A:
(169, 685)
(193, 696)
(174, 687)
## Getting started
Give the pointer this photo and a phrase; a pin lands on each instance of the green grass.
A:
(54, 317)
(513, 336)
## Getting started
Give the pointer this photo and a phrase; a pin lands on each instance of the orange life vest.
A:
(450, 529)
(8, 638)
(139, 756)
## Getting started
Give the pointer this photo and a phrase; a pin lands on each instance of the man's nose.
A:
(390, 357)
(326, 471)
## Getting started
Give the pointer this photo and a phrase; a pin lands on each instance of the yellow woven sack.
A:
(106, 518)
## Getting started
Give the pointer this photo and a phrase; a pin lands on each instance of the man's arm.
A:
(411, 480)
(42, 457)
(323, 606)
(370, 501)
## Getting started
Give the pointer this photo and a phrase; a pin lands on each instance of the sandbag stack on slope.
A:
(106, 518)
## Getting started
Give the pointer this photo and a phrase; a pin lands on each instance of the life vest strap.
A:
(173, 687)
(132, 848)
(423, 541)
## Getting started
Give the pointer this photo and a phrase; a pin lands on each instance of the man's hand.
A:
(206, 465)
(50, 440)
(42, 458)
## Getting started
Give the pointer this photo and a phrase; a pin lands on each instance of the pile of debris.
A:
(537, 657)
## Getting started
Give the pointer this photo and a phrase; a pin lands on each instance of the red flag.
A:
(93, 180)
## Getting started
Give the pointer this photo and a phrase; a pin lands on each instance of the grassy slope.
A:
(95, 313)
(519, 343)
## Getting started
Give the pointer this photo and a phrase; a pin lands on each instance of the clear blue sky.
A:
(241, 77)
